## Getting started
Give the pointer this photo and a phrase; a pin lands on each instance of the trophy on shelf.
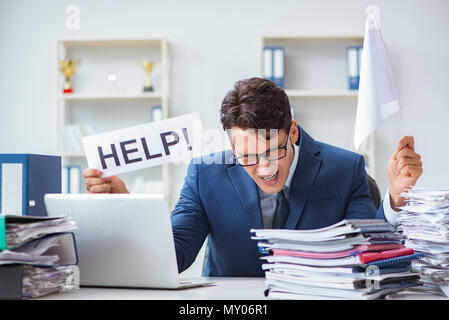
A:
(68, 68)
(148, 67)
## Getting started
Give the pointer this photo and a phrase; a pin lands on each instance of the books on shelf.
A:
(37, 255)
(71, 179)
(72, 137)
(424, 221)
(352, 259)
(156, 113)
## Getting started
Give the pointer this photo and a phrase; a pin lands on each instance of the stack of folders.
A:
(424, 221)
(352, 259)
(37, 255)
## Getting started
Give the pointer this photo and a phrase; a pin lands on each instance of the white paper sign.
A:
(173, 140)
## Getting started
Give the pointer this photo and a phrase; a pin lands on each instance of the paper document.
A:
(143, 146)
(425, 223)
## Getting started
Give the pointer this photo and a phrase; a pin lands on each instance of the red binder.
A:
(366, 257)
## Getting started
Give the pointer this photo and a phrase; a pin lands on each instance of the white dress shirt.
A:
(268, 201)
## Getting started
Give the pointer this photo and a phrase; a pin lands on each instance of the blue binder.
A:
(71, 179)
(25, 179)
(273, 65)
(397, 262)
(353, 67)
(278, 66)
(267, 60)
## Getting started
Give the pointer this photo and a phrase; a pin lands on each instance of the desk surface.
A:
(224, 289)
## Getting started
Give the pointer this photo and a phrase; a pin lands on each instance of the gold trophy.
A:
(68, 68)
(148, 67)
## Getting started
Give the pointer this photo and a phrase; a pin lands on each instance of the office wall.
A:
(213, 44)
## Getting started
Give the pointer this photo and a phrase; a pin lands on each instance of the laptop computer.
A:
(123, 240)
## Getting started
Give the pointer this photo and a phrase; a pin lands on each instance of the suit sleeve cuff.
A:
(390, 214)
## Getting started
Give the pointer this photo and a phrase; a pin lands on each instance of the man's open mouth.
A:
(272, 177)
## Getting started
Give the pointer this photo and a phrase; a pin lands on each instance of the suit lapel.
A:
(306, 171)
(247, 191)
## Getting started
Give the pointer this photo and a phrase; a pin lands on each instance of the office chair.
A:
(374, 191)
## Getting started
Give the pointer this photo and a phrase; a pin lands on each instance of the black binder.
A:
(11, 281)
(11, 275)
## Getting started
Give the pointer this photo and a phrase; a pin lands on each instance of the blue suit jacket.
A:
(221, 201)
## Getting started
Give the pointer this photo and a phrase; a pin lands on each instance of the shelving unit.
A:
(108, 96)
(103, 104)
(321, 93)
(316, 83)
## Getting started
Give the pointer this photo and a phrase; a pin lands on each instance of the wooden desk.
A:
(224, 289)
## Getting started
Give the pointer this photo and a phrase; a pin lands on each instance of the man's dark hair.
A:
(256, 103)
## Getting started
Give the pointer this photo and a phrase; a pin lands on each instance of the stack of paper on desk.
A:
(425, 223)
(352, 259)
(34, 255)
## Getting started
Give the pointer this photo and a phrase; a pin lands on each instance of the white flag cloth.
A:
(378, 97)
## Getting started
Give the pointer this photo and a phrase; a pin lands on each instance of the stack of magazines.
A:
(425, 223)
(352, 259)
(37, 256)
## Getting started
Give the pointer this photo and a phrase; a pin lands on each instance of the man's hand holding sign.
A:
(136, 148)
(96, 184)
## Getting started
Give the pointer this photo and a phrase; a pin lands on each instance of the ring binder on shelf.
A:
(24, 179)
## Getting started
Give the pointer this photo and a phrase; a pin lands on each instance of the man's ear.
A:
(294, 132)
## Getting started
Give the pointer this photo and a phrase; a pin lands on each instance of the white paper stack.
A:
(38, 281)
(352, 259)
(425, 223)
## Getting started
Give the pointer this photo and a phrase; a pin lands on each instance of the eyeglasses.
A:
(247, 160)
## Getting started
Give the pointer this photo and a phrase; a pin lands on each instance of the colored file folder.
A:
(278, 66)
(268, 63)
(25, 179)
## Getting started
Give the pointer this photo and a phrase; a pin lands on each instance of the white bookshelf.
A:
(103, 105)
(108, 96)
(316, 83)
(321, 93)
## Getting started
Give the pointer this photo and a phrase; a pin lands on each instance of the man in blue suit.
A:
(275, 176)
